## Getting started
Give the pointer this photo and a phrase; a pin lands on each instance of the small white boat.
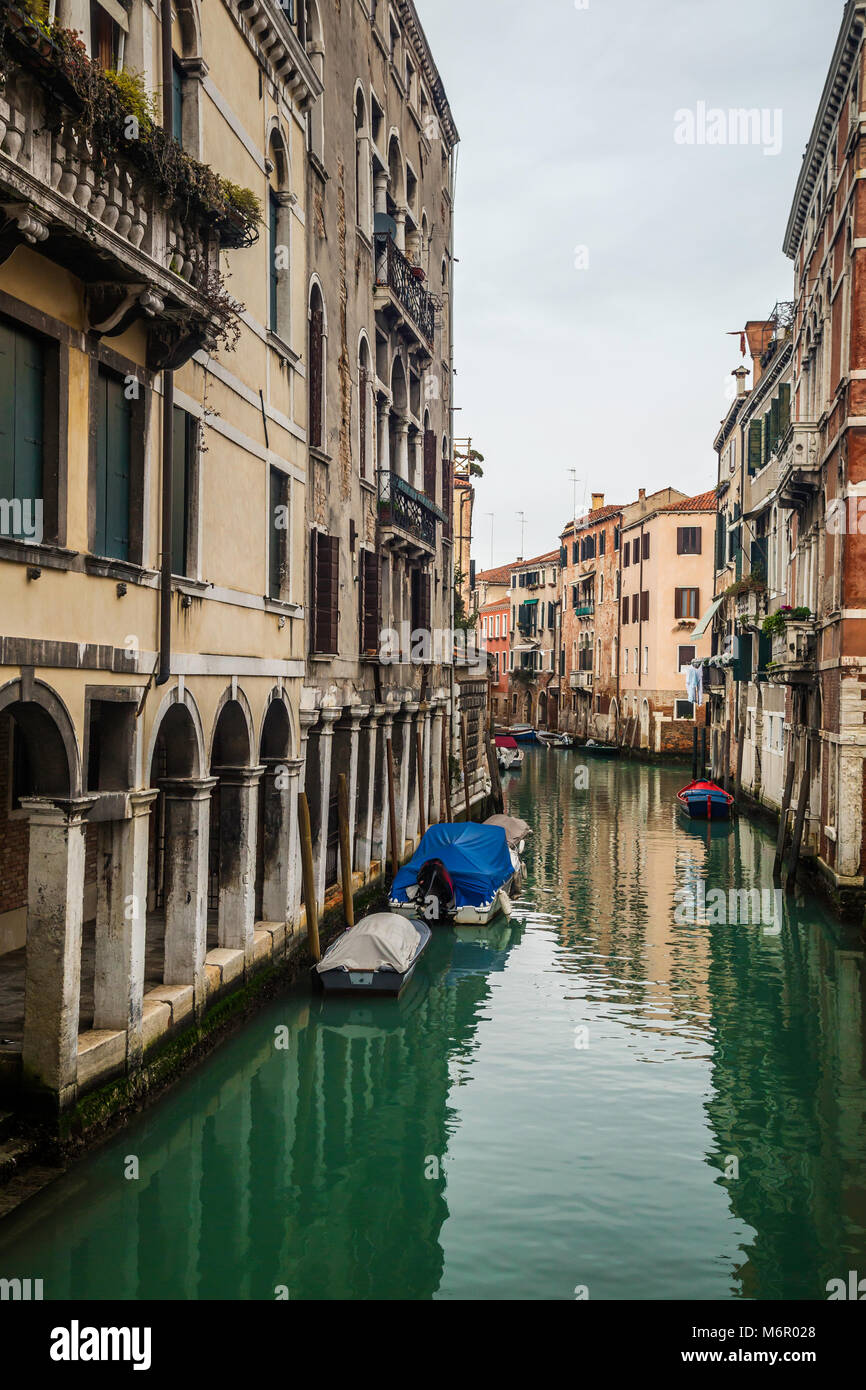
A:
(509, 754)
(378, 956)
(552, 738)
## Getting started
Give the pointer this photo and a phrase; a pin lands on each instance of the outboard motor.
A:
(435, 894)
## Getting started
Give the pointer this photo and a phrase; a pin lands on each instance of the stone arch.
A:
(175, 699)
(396, 170)
(613, 718)
(366, 407)
(232, 737)
(317, 362)
(542, 708)
(49, 737)
(278, 736)
(189, 27)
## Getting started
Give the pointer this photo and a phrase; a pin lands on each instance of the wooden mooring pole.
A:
(446, 773)
(345, 849)
(306, 837)
(786, 804)
(800, 818)
(464, 753)
(419, 759)
(726, 755)
(695, 753)
(495, 779)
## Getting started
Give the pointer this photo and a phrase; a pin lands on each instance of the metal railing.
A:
(395, 273)
(403, 506)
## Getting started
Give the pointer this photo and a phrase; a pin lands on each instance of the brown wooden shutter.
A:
(625, 609)
(317, 332)
(635, 551)
(430, 464)
(426, 614)
(626, 555)
(646, 540)
(698, 539)
(324, 591)
(447, 498)
(369, 603)
(635, 607)
(644, 606)
(681, 540)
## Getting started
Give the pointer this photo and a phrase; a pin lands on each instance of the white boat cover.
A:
(382, 941)
(515, 829)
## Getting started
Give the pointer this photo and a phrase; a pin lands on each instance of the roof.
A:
(545, 559)
(495, 604)
(592, 518)
(704, 502)
(829, 107)
(500, 575)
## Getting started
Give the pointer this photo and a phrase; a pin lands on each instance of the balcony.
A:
(751, 607)
(137, 221)
(794, 654)
(400, 293)
(584, 610)
(799, 464)
(580, 680)
(406, 517)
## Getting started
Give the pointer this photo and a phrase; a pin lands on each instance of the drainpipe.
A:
(167, 394)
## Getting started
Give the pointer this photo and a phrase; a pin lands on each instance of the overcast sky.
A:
(567, 122)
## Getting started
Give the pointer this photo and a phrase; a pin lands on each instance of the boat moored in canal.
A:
(601, 750)
(704, 800)
(554, 738)
(461, 873)
(378, 956)
(508, 752)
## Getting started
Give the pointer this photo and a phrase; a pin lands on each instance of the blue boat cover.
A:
(476, 857)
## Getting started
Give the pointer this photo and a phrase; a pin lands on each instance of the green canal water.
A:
(595, 1095)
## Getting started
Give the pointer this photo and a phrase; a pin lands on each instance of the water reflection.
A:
(463, 1142)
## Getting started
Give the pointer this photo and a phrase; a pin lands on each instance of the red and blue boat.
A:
(705, 801)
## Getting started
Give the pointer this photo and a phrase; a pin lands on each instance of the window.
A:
(22, 432)
(646, 661)
(635, 551)
(369, 603)
(273, 220)
(420, 597)
(496, 626)
(626, 555)
(112, 481)
(601, 589)
(625, 661)
(688, 540)
(108, 25)
(645, 538)
(324, 591)
(317, 369)
(177, 99)
(685, 657)
(484, 628)
(616, 538)
(278, 539)
(686, 603)
(635, 607)
(182, 469)
(683, 709)
(625, 609)
(636, 666)
(110, 743)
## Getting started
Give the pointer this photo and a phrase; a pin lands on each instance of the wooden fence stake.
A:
(786, 805)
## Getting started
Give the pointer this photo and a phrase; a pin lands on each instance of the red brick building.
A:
(494, 622)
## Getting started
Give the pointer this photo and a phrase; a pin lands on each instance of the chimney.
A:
(740, 374)
(597, 501)
(759, 335)
(641, 496)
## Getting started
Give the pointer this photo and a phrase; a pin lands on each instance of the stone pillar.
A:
(383, 444)
(400, 234)
(402, 456)
(307, 718)
(416, 476)
(356, 714)
(408, 807)
(380, 815)
(237, 839)
(424, 717)
(121, 910)
(187, 825)
(436, 737)
(328, 719)
(380, 191)
(280, 792)
(364, 846)
(55, 906)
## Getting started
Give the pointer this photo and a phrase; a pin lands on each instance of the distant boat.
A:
(508, 752)
(601, 750)
(377, 956)
(705, 801)
(553, 738)
(523, 733)
(461, 873)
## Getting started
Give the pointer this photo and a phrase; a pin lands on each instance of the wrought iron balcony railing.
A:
(404, 507)
(585, 610)
(395, 273)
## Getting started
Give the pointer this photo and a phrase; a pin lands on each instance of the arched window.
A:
(363, 167)
(365, 412)
(187, 75)
(314, 40)
(316, 366)
(279, 239)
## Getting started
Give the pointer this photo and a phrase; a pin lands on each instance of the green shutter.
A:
(22, 439)
(277, 539)
(755, 431)
(272, 270)
(784, 408)
(774, 424)
(177, 102)
(111, 524)
(180, 490)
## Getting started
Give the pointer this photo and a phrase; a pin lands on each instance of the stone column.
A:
(400, 234)
(364, 846)
(383, 443)
(380, 191)
(307, 718)
(328, 719)
(416, 476)
(356, 714)
(280, 792)
(380, 816)
(402, 458)
(121, 909)
(408, 808)
(237, 832)
(55, 906)
(187, 825)
(424, 717)
(436, 736)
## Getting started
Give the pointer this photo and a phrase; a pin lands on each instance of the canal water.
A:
(617, 1092)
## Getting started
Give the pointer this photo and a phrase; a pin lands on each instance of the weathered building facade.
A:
(589, 646)
(379, 504)
(534, 682)
(152, 644)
